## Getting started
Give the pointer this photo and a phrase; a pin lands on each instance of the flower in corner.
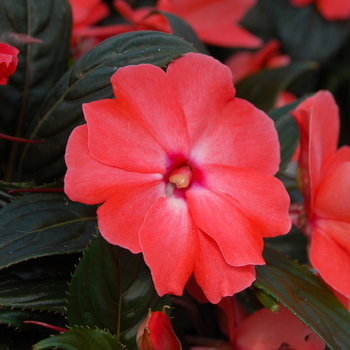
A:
(323, 178)
(184, 170)
(8, 62)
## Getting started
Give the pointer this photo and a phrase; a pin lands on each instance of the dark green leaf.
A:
(38, 284)
(288, 132)
(15, 318)
(183, 30)
(112, 289)
(81, 339)
(44, 224)
(307, 296)
(88, 80)
(305, 34)
(262, 88)
(40, 66)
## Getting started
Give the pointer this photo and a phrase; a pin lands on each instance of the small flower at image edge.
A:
(156, 333)
(8, 62)
(184, 170)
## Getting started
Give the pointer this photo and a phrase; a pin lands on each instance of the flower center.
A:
(181, 177)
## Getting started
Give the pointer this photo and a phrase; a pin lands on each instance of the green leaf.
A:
(81, 339)
(44, 224)
(112, 289)
(305, 34)
(40, 66)
(306, 296)
(183, 30)
(88, 80)
(16, 317)
(288, 132)
(38, 284)
(262, 88)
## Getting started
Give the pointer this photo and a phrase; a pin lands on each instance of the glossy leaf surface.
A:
(262, 88)
(40, 65)
(112, 289)
(88, 80)
(305, 295)
(38, 284)
(81, 339)
(44, 224)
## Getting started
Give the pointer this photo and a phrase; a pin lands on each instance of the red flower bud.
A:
(156, 333)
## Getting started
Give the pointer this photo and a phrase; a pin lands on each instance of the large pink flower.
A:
(331, 10)
(214, 21)
(324, 174)
(8, 62)
(186, 173)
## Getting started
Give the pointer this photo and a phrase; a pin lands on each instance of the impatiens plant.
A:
(146, 175)
(323, 176)
(200, 210)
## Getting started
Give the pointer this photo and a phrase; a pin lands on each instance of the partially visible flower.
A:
(323, 177)
(331, 10)
(8, 62)
(186, 173)
(264, 330)
(87, 13)
(214, 21)
(156, 333)
(245, 63)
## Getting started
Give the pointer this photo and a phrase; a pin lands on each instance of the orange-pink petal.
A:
(324, 250)
(214, 275)
(253, 192)
(227, 141)
(223, 219)
(135, 149)
(265, 330)
(118, 219)
(90, 181)
(168, 239)
(146, 93)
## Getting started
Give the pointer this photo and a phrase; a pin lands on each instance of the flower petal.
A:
(168, 241)
(90, 181)
(318, 121)
(147, 95)
(201, 95)
(120, 217)
(215, 21)
(331, 261)
(265, 330)
(125, 143)
(262, 198)
(242, 136)
(332, 196)
(334, 10)
(215, 276)
(225, 221)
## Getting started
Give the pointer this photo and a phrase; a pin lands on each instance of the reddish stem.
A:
(46, 325)
(18, 139)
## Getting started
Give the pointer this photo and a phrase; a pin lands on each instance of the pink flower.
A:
(331, 10)
(156, 333)
(323, 175)
(214, 21)
(264, 330)
(186, 173)
(245, 63)
(8, 62)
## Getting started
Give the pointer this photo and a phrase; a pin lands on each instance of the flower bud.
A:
(156, 333)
